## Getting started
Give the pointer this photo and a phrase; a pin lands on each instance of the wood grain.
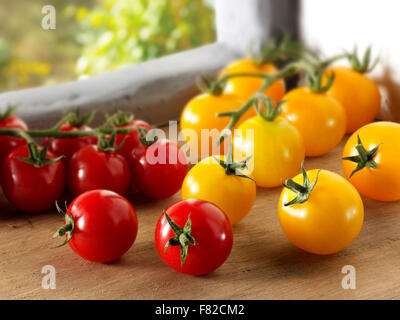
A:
(263, 263)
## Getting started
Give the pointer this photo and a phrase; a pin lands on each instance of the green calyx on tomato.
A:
(108, 144)
(37, 157)
(270, 113)
(9, 112)
(183, 237)
(119, 118)
(211, 86)
(232, 168)
(364, 66)
(314, 80)
(145, 138)
(281, 48)
(302, 191)
(364, 158)
(68, 228)
(76, 120)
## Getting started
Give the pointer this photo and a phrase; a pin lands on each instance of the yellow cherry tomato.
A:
(209, 181)
(378, 154)
(358, 94)
(200, 114)
(329, 220)
(276, 149)
(245, 87)
(320, 119)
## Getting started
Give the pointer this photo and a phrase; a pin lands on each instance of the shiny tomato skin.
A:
(210, 228)
(91, 168)
(329, 220)
(105, 225)
(358, 94)
(245, 87)
(68, 146)
(158, 170)
(7, 144)
(382, 183)
(276, 149)
(208, 181)
(29, 188)
(132, 140)
(320, 119)
(200, 114)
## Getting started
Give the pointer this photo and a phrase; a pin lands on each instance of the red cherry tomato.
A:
(158, 170)
(68, 146)
(211, 234)
(132, 138)
(91, 168)
(7, 144)
(104, 225)
(30, 188)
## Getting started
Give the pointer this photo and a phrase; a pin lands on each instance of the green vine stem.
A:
(313, 69)
(55, 133)
(38, 158)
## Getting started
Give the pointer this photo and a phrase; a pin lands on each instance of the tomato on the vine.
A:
(275, 146)
(68, 146)
(95, 168)
(371, 160)
(320, 119)
(219, 181)
(10, 121)
(245, 87)
(358, 94)
(36, 185)
(320, 211)
(158, 170)
(199, 115)
(193, 237)
(100, 225)
(132, 139)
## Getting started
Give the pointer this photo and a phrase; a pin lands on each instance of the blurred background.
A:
(95, 36)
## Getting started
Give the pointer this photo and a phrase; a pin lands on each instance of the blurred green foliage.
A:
(94, 36)
(116, 33)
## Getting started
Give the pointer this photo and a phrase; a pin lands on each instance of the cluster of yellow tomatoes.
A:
(319, 211)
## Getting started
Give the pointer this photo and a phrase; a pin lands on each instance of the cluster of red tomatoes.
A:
(320, 211)
(34, 177)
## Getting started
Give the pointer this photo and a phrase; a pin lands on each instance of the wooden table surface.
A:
(263, 263)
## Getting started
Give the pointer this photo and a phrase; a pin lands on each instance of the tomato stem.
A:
(38, 158)
(270, 113)
(365, 65)
(9, 112)
(183, 237)
(68, 228)
(119, 118)
(314, 70)
(231, 168)
(302, 191)
(364, 158)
